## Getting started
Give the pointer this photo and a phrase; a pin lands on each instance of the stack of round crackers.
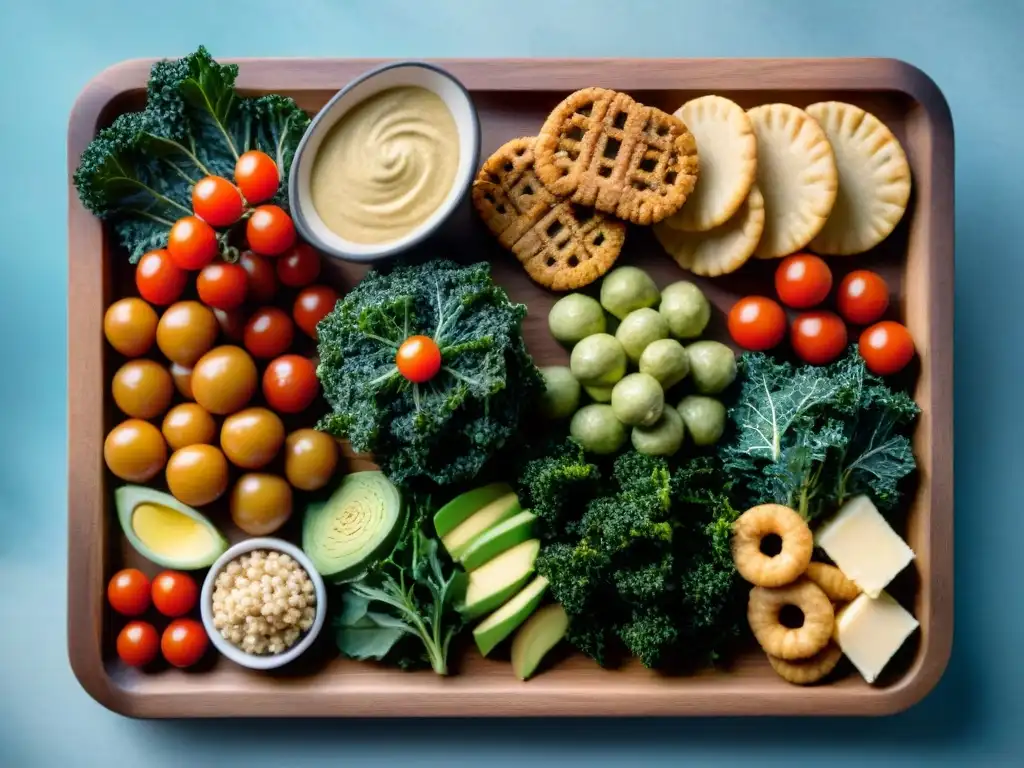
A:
(777, 179)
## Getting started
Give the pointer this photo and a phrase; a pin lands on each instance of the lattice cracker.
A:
(602, 148)
(561, 245)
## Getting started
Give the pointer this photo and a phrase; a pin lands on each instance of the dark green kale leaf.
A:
(444, 430)
(138, 173)
(812, 436)
(557, 486)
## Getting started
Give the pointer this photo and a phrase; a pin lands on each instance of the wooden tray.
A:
(513, 96)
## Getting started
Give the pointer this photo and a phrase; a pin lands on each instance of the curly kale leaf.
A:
(811, 437)
(556, 487)
(446, 429)
(138, 173)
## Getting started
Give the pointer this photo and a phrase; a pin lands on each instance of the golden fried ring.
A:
(776, 639)
(832, 581)
(809, 670)
(767, 570)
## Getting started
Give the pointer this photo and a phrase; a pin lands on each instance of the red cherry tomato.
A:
(270, 231)
(261, 280)
(269, 333)
(256, 175)
(757, 323)
(803, 280)
(886, 347)
(300, 266)
(184, 642)
(222, 286)
(192, 243)
(159, 281)
(174, 593)
(231, 322)
(863, 297)
(290, 384)
(128, 592)
(818, 337)
(137, 643)
(312, 305)
(217, 201)
(418, 359)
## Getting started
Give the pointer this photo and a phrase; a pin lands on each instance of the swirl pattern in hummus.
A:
(387, 165)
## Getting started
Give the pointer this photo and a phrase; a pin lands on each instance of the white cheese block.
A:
(871, 630)
(864, 546)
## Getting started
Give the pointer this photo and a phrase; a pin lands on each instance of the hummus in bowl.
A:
(385, 163)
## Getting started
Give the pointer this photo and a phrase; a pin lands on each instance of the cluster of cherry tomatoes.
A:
(173, 594)
(804, 281)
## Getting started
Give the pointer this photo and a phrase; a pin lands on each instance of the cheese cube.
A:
(864, 546)
(871, 630)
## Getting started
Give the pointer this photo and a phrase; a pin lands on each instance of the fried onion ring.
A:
(832, 581)
(771, 570)
(763, 614)
(809, 670)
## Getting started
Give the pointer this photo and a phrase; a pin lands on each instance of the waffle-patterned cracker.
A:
(602, 148)
(562, 246)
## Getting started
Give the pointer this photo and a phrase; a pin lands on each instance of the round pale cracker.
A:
(721, 250)
(727, 151)
(797, 175)
(874, 179)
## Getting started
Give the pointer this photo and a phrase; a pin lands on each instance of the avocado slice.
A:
(353, 529)
(165, 531)
(458, 510)
(538, 635)
(490, 585)
(497, 539)
(503, 621)
(493, 512)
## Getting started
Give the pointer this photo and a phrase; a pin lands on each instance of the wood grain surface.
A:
(513, 96)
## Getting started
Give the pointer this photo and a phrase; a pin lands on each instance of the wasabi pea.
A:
(664, 438)
(638, 329)
(667, 361)
(575, 317)
(704, 418)
(597, 429)
(625, 289)
(598, 360)
(638, 400)
(685, 309)
(599, 394)
(561, 395)
(712, 366)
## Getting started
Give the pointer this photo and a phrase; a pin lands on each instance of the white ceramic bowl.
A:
(405, 73)
(235, 653)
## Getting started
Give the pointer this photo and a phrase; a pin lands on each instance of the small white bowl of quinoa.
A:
(263, 603)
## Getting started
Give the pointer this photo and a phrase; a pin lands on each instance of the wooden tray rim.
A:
(85, 358)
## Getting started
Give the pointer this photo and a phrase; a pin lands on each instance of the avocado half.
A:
(130, 498)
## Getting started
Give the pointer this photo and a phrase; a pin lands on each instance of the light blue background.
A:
(49, 49)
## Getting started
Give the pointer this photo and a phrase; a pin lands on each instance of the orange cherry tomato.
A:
(174, 593)
(803, 281)
(137, 643)
(184, 642)
(818, 337)
(128, 592)
(418, 359)
(192, 243)
(262, 284)
(159, 281)
(257, 176)
(886, 347)
(757, 323)
(270, 231)
(290, 384)
(863, 297)
(312, 305)
(221, 285)
(269, 333)
(217, 201)
(299, 267)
